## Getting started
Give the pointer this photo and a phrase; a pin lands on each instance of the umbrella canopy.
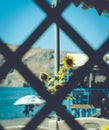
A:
(29, 99)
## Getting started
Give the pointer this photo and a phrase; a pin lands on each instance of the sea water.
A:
(7, 98)
(9, 95)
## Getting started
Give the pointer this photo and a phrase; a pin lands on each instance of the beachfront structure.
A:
(85, 102)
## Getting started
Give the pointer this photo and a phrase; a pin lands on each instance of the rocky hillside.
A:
(37, 60)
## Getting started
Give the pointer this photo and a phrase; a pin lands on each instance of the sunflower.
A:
(68, 62)
(44, 77)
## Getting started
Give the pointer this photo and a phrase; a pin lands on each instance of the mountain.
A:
(36, 59)
(43, 60)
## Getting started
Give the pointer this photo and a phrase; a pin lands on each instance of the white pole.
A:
(57, 50)
(57, 40)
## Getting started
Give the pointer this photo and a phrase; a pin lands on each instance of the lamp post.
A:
(57, 40)
(57, 50)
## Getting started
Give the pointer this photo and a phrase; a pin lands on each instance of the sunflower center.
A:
(43, 76)
(69, 62)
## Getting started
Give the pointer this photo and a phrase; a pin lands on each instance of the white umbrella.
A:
(29, 99)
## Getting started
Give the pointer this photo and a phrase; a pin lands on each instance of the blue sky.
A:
(18, 18)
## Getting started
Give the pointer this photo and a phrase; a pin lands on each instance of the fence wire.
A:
(53, 102)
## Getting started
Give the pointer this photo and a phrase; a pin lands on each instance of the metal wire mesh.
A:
(53, 101)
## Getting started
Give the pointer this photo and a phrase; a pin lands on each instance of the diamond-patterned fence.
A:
(53, 102)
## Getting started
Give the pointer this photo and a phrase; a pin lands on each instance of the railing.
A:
(54, 102)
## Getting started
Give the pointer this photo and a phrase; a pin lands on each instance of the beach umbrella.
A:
(29, 100)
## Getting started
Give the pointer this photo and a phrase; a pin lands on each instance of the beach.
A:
(20, 122)
(50, 123)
